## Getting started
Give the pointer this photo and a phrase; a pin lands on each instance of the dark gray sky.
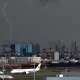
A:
(41, 22)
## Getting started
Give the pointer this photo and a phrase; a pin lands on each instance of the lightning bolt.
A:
(8, 20)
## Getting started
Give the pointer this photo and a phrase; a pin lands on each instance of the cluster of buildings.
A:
(65, 52)
(20, 50)
(28, 50)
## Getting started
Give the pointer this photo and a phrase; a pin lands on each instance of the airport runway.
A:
(30, 76)
(26, 77)
(73, 72)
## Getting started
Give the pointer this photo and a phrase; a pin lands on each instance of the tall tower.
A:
(51, 44)
(73, 46)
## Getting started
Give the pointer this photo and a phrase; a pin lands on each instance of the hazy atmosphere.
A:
(40, 20)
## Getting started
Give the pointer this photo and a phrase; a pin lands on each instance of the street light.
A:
(3, 65)
(5, 62)
(34, 67)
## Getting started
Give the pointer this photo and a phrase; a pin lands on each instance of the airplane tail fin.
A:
(38, 67)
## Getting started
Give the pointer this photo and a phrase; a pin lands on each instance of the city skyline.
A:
(40, 23)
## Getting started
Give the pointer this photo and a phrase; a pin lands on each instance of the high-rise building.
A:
(17, 49)
(29, 48)
(26, 49)
(73, 46)
(1, 50)
(26, 46)
(37, 49)
(24, 52)
(12, 47)
(56, 56)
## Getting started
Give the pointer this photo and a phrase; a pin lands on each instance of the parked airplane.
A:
(6, 77)
(26, 71)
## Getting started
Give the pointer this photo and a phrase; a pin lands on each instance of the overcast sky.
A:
(40, 22)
